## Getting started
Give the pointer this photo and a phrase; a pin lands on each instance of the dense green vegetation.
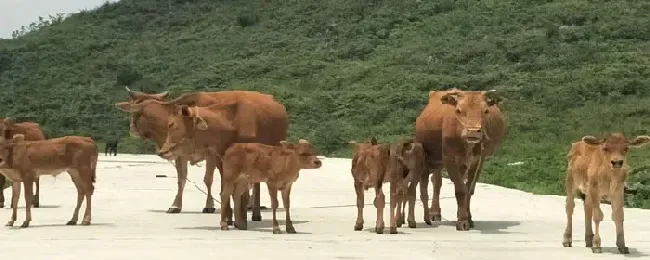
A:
(351, 69)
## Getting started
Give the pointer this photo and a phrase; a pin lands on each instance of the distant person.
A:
(111, 147)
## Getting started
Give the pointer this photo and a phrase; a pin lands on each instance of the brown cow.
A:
(32, 132)
(458, 130)
(264, 119)
(400, 164)
(598, 169)
(278, 166)
(29, 159)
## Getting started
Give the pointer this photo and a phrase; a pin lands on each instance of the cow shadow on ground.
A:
(485, 227)
(634, 253)
(216, 211)
(31, 226)
(39, 207)
(386, 230)
(265, 226)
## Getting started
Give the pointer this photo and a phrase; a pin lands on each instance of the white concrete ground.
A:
(129, 222)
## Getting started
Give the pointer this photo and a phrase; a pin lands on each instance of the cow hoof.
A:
(209, 210)
(2, 205)
(412, 224)
(437, 218)
(36, 205)
(291, 230)
(399, 224)
(10, 224)
(85, 223)
(71, 223)
(256, 218)
(25, 224)
(462, 225)
(379, 230)
(428, 222)
(277, 231)
(224, 228)
(471, 224)
(242, 226)
(174, 210)
(358, 226)
(589, 240)
(624, 250)
(566, 244)
(596, 250)
(393, 230)
(229, 222)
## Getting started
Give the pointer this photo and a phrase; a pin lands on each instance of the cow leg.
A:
(286, 202)
(241, 186)
(473, 174)
(424, 197)
(226, 193)
(358, 188)
(257, 214)
(395, 196)
(411, 199)
(106, 148)
(80, 197)
(589, 233)
(208, 178)
(3, 180)
(569, 206)
(436, 181)
(28, 183)
(273, 193)
(597, 218)
(15, 195)
(399, 211)
(618, 217)
(228, 211)
(38, 191)
(380, 203)
(89, 190)
(462, 222)
(181, 172)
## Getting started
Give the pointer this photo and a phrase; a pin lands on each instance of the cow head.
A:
(360, 146)
(306, 154)
(6, 148)
(148, 118)
(136, 100)
(7, 127)
(471, 108)
(185, 122)
(409, 153)
(615, 147)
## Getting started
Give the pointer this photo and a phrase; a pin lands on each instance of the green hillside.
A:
(351, 69)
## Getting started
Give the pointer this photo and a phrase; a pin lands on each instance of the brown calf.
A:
(598, 169)
(32, 132)
(278, 166)
(399, 164)
(29, 159)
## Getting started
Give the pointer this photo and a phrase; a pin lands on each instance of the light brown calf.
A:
(278, 166)
(29, 159)
(399, 164)
(598, 169)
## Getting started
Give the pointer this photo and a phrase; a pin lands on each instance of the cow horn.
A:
(303, 141)
(127, 88)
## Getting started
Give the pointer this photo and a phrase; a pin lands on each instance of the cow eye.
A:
(457, 110)
(486, 111)
(605, 149)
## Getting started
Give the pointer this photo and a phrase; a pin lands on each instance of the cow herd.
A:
(243, 134)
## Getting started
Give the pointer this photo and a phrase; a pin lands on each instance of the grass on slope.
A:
(351, 69)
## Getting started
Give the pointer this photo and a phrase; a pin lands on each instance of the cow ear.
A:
(640, 141)
(185, 111)
(592, 140)
(373, 141)
(450, 98)
(7, 123)
(162, 95)
(493, 97)
(18, 138)
(284, 143)
(303, 141)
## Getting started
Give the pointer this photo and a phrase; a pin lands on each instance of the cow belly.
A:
(51, 172)
(12, 175)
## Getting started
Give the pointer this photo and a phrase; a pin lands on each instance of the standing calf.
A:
(400, 164)
(278, 166)
(29, 159)
(597, 169)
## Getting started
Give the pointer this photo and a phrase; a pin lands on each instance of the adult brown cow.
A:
(278, 166)
(28, 159)
(458, 130)
(597, 168)
(32, 132)
(151, 117)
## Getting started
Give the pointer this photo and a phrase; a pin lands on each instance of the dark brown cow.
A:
(32, 132)
(278, 166)
(26, 160)
(598, 169)
(458, 130)
(400, 164)
(151, 117)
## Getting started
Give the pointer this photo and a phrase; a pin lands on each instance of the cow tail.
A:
(93, 168)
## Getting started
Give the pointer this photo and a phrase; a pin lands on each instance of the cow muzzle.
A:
(472, 135)
(617, 164)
